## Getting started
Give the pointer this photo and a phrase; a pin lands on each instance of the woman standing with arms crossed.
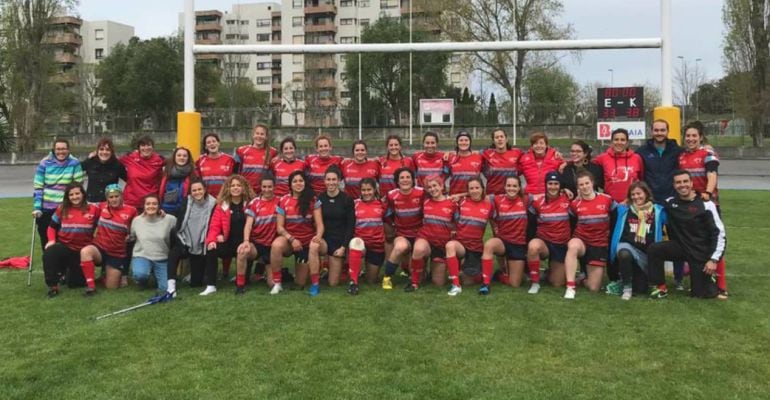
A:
(299, 221)
(337, 211)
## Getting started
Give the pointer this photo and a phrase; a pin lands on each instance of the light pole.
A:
(684, 89)
(697, 90)
(612, 77)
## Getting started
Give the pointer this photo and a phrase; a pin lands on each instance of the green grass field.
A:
(424, 345)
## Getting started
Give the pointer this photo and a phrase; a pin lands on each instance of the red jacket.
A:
(142, 177)
(534, 169)
(185, 186)
(219, 223)
(620, 171)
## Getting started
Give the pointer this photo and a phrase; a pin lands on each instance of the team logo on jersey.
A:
(601, 207)
(223, 167)
(698, 160)
(475, 164)
(446, 210)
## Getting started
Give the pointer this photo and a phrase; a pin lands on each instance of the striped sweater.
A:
(51, 177)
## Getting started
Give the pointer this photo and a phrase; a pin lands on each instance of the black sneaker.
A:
(240, 290)
(353, 289)
(89, 293)
(53, 292)
(410, 288)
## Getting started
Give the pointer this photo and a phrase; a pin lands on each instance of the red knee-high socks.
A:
(240, 280)
(721, 278)
(277, 276)
(89, 271)
(534, 270)
(354, 264)
(417, 267)
(486, 270)
(453, 265)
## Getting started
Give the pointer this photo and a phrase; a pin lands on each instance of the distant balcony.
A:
(321, 9)
(66, 58)
(64, 38)
(276, 85)
(323, 83)
(325, 27)
(326, 63)
(276, 57)
(65, 21)
(327, 102)
(208, 26)
(276, 41)
(275, 100)
(208, 41)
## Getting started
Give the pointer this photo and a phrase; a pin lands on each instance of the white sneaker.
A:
(276, 289)
(209, 290)
(569, 294)
(534, 289)
(627, 293)
(455, 290)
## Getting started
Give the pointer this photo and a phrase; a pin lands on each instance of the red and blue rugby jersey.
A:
(699, 163)
(461, 169)
(214, 171)
(498, 166)
(472, 222)
(77, 229)
(552, 218)
(281, 170)
(593, 219)
(369, 224)
(354, 172)
(388, 167)
(316, 167)
(113, 228)
(438, 221)
(302, 227)
(263, 230)
(511, 218)
(428, 165)
(253, 164)
(406, 211)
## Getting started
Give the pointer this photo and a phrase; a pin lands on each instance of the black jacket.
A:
(568, 178)
(659, 168)
(100, 175)
(696, 225)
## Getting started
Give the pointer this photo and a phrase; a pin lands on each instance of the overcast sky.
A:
(697, 32)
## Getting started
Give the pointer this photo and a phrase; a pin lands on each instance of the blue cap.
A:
(552, 176)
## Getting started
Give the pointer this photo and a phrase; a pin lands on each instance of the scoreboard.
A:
(620, 103)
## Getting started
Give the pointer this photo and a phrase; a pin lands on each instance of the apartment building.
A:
(309, 89)
(100, 37)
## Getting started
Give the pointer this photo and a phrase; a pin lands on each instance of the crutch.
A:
(31, 251)
(161, 298)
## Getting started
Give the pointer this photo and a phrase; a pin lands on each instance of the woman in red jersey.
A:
(214, 166)
(391, 162)
(509, 213)
(552, 233)
(259, 231)
(429, 161)
(536, 162)
(702, 163)
(500, 161)
(283, 165)
(475, 210)
(226, 228)
(317, 164)
(404, 211)
(463, 164)
(621, 166)
(175, 184)
(368, 241)
(439, 215)
(590, 240)
(254, 159)
(144, 171)
(357, 168)
(109, 244)
(299, 221)
(72, 228)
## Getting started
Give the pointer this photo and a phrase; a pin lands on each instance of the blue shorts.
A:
(515, 252)
(332, 245)
(374, 258)
(263, 253)
(595, 256)
(118, 263)
(556, 252)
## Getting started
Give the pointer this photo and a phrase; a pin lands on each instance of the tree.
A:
(492, 113)
(687, 79)
(26, 66)
(501, 20)
(144, 79)
(385, 76)
(713, 97)
(549, 96)
(747, 57)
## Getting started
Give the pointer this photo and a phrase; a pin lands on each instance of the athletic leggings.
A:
(223, 250)
(58, 261)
